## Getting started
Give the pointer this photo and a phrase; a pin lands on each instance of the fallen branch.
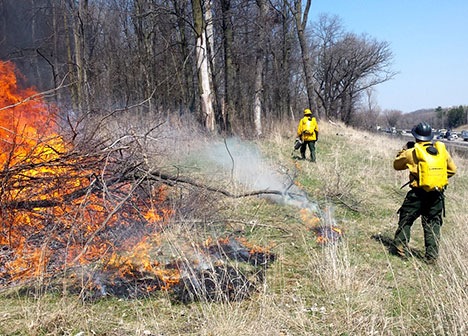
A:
(177, 179)
(96, 186)
(350, 207)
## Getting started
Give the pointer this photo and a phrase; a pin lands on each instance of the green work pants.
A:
(428, 205)
(311, 145)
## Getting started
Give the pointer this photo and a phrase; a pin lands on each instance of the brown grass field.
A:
(352, 287)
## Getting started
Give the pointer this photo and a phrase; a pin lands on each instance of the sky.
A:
(429, 42)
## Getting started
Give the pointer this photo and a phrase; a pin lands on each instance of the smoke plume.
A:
(246, 165)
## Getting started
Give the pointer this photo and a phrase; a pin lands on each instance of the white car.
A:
(452, 136)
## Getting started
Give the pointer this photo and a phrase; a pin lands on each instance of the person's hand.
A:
(409, 144)
(400, 152)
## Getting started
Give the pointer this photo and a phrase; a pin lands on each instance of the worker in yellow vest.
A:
(307, 132)
(430, 166)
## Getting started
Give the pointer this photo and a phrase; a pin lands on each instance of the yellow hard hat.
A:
(307, 111)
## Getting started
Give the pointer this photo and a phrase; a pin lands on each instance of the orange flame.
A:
(321, 240)
(31, 150)
(312, 222)
(255, 248)
(309, 219)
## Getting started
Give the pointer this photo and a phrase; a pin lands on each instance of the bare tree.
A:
(259, 61)
(301, 17)
(368, 114)
(347, 65)
(228, 66)
(202, 66)
(392, 117)
(326, 33)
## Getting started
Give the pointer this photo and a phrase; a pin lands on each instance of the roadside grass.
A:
(353, 287)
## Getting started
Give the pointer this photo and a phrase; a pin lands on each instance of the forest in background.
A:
(449, 117)
(234, 66)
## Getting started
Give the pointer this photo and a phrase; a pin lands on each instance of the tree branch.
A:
(39, 94)
(155, 175)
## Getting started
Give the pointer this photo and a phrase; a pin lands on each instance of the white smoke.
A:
(244, 162)
(246, 165)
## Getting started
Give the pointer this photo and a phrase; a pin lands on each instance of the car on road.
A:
(451, 135)
(464, 135)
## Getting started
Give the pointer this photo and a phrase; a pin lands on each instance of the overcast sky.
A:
(429, 41)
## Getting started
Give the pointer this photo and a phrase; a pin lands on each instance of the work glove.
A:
(409, 144)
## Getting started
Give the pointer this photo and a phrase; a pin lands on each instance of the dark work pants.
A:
(311, 145)
(428, 205)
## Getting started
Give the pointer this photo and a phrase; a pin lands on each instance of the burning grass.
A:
(93, 217)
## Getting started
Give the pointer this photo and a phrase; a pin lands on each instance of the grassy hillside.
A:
(353, 287)
(461, 128)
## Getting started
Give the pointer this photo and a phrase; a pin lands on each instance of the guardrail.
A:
(459, 146)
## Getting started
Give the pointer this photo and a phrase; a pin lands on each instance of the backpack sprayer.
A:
(298, 143)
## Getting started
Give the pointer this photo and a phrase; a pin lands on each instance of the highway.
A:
(458, 143)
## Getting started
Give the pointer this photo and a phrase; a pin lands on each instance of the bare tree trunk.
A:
(211, 57)
(78, 57)
(284, 87)
(258, 101)
(73, 88)
(84, 22)
(228, 67)
(291, 111)
(35, 61)
(209, 26)
(259, 64)
(301, 22)
(208, 117)
(80, 54)
(56, 57)
(145, 50)
(187, 64)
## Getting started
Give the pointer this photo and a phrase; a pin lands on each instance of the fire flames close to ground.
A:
(67, 214)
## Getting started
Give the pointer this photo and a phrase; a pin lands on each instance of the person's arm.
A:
(299, 129)
(402, 159)
(451, 168)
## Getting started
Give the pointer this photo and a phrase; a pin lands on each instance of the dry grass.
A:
(354, 287)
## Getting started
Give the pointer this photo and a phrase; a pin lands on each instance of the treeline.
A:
(448, 117)
(232, 64)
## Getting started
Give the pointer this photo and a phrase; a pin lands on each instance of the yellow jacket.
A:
(406, 159)
(307, 129)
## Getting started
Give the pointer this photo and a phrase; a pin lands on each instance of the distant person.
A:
(308, 133)
(430, 166)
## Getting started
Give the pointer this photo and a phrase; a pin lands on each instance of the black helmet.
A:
(422, 131)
